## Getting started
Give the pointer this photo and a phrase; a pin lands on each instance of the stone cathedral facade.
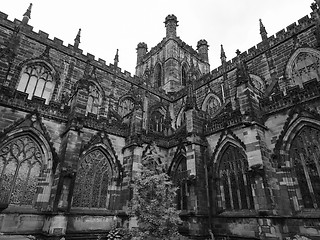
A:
(242, 142)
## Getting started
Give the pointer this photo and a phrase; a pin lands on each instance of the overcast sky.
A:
(107, 25)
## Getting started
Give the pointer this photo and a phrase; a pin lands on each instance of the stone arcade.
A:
(242, 141)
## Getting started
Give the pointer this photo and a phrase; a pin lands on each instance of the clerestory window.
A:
(37, 80)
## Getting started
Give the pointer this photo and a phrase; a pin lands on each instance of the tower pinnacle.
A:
(171, 24)
(27, 15)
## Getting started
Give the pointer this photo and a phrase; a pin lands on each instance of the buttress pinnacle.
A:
(27, 15)
(263, 32)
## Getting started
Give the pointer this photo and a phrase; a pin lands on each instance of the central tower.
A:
(166, 65)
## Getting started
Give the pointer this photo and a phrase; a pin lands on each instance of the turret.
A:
(27, 15)
(202, 48)
(171, 24)
(142, 49)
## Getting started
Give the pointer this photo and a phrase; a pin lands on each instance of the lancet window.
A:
(37, 80)
(158, 76)
(92, 181)
(21, 161)
(304, 155)
(234, 183)
(180, 176)
(94, 100)
(156, 121)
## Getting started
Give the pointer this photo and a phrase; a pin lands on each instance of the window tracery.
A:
(211, 105)
(305, 67)
(179, 178)
(20, 166)
(304, 154)
(93, 179)
(234, 185)
(94, 100)
(156, 121)
(37, 80)
(125, 107)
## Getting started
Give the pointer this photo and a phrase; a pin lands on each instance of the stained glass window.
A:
(234, 184)
(20, 166)
(94, 100)
(36, 80)
(305, 155)
(93, 178)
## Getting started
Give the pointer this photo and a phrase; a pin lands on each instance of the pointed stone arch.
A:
(230, 174)
(211, 104)
(179, 174)
(303, 58)
(98, 175)
(158, 75)
(297, 154)
(25, 155)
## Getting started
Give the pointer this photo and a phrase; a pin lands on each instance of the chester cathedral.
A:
(241, 142)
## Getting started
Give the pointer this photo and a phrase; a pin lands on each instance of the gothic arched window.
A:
(93, 180)
(21, 160)
(37, 80)
(303, 65)
(94, 100)
(158, 75)
(184, 75)
(156, 121)
(234, 185)
(125, 107)
(180, 175)
(304, 155)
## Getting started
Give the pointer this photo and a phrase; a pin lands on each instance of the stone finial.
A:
(223, 55)
(27, 15)
(77, 39)
(116, 58)
(171, 24)
(263, 32)
(202, 48)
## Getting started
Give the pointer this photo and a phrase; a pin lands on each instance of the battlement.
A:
(181, 43)
(293, 95)
(281, 36)
(58, 44)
